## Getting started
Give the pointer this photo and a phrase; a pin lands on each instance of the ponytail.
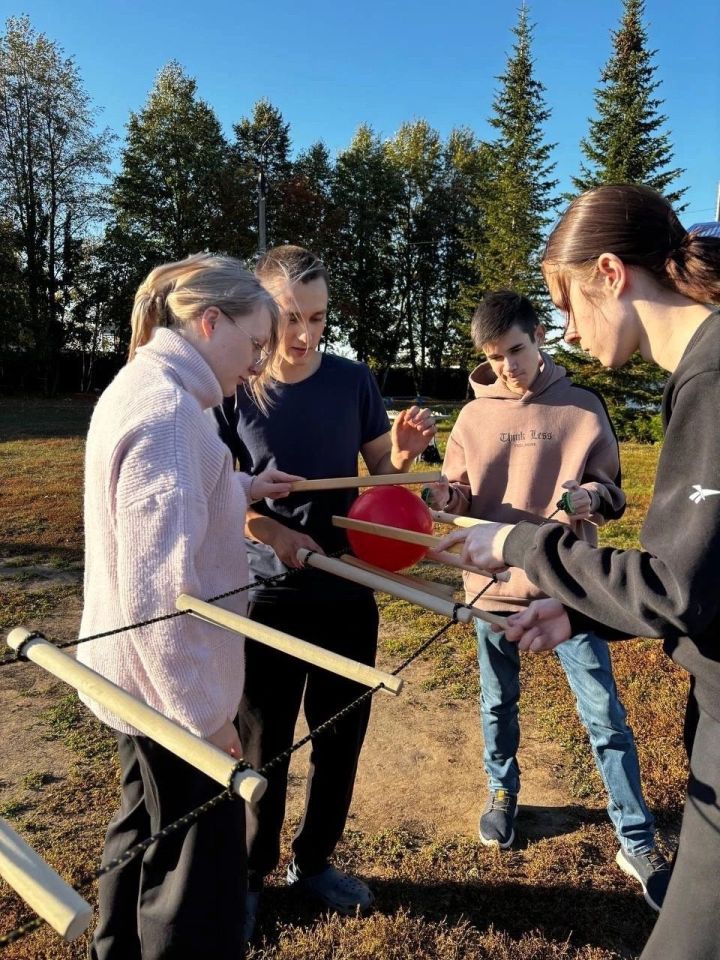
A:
(640, 227)
(693, 269)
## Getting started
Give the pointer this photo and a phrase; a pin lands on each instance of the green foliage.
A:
(414, 229)
(262, 145)
(309, 215)
(626, 142)
(50, 164)
(632, 393)
(515, 204)
(169, 188)
(366, 191)
(637, 426)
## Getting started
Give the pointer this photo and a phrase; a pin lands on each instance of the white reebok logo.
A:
(700, 493)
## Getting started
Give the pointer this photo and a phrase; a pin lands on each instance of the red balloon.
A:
(393, 507)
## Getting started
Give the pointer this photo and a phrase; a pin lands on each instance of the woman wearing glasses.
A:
(323, 410)
(164, 513)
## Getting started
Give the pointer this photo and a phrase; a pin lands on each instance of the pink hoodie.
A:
(509, 455)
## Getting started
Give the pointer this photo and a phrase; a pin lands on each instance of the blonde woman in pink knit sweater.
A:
(164, 514)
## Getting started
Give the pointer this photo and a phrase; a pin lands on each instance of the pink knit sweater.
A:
(164, 514)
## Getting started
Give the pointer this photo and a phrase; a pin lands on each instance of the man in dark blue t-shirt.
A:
(323, 412)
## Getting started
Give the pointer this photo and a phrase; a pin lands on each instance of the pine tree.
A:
(514, 207)
(626, 142)
(168, 192)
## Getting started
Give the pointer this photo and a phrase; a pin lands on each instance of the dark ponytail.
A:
(640, 227)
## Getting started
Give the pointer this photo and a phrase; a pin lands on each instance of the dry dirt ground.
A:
(26, 691)
(421, 769)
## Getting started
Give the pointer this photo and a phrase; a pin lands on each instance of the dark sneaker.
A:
(651, 870)
(497, 820)
(252, 905)
(337, 890)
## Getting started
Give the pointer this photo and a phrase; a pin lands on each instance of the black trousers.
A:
(184, 897)
(274, 685)
(688, 927)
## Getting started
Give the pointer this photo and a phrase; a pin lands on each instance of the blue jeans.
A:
(585, 659)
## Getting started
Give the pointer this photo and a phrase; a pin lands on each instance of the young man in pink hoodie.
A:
(529, 437)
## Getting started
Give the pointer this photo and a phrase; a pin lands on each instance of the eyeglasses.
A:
(263, 354)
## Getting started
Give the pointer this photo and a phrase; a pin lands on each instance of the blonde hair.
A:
(279, 269)
(175, 294)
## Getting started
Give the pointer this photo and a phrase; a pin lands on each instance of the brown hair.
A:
(497, 312)
(640, 227)
(278, 270)
(174, 294)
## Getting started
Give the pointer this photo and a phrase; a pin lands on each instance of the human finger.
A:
(450, 539)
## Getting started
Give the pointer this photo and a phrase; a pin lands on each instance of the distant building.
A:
(709, 229)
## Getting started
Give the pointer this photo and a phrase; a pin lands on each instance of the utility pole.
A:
(262, 193)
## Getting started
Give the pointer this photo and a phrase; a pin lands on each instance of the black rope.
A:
(227, 794)
(63, 645)
(7, 938)
(19, 653)
(286, 754)
(185, 821)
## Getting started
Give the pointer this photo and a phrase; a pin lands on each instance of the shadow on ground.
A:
(514, 908)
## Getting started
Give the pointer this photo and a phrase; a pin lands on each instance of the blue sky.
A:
(328, 66)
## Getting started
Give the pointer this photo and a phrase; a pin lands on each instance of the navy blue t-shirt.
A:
(314, 429)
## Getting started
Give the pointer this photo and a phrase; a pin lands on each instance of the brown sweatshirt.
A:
(508, 456)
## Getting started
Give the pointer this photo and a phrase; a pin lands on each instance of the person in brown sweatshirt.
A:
(530, 436)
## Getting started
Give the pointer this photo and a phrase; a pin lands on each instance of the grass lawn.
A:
(558, 897)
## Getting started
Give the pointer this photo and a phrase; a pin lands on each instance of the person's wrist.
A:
(499, 539)
(401, 459)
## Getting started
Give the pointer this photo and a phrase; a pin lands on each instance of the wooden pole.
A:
(445, 590)
(193, 749)
(309, 652)
(40, 887)
(377, 582)
(439, 516)
(423, 539)
(392, 533)
(379, 480)
(496, 620)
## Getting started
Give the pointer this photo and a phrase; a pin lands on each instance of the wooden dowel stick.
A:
(392, 533)
(309, 652)
(442, 556)
(40, 887)
(444, 590)
(494, 619)
(377, 582)
(439, 516)
(411, 536)
(379, 480)
(194, 750)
